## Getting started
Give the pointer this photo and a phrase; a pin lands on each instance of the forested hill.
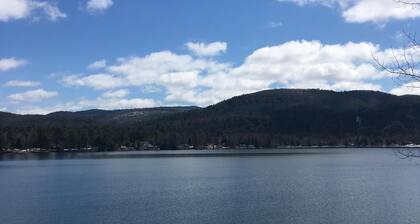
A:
(272, 118)
(128, 116)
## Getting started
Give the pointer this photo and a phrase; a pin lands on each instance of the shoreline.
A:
(225, 149)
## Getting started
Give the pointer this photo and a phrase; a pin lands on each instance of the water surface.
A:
(304, 186)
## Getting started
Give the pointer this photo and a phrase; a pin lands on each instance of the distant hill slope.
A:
(269, 118)
(128, 116)
(124, 116)
(301, 111)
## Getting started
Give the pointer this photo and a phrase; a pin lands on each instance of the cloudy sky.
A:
(111, 54)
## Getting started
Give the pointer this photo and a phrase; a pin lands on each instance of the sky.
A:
(114, 54)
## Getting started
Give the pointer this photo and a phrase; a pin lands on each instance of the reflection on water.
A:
(160, 154)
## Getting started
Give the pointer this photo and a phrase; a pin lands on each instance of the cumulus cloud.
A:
(97, 81)
(13, 9)
(32, 95)
(21, 83)
(7, 64)
(176, 73)
(379, 11)
(21, 9)
(186, 80)
(311, 63)
(412, 88)
(362, 11)
(164, 68)
(204, 49)
(99, 5)
(97, 64)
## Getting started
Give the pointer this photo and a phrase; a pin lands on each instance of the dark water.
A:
(326, 186)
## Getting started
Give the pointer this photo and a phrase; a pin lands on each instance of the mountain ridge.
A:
(270, 118)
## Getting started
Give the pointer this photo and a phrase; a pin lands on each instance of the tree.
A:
(404, 64)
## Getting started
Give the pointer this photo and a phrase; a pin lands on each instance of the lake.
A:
(295, 186)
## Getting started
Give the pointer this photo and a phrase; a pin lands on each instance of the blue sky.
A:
(112, 54)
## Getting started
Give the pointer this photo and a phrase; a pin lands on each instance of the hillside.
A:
(269, 118)
(121, 116)
(300, 117)
(129, 116)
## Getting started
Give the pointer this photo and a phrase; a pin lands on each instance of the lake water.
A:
(319, 186)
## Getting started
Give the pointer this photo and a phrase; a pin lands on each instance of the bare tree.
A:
(407, 153)
(404, 64)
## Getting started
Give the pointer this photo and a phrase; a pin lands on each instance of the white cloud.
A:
(312, 64)
(328, 3)
(151, 89)
(7, 64)
(379, 11)
(21, 83)
(13, 9)
(176, 73)
(362, 11)
(51, 10)
(21, 9)
(117, 93)
(97, 64)
(184, 79)
(32, 95)
(97, 81)
(99, 5)
(412, 88)
(33, 109)
(203, 49)
(164, 68)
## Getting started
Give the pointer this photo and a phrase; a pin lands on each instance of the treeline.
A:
(113, 137)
